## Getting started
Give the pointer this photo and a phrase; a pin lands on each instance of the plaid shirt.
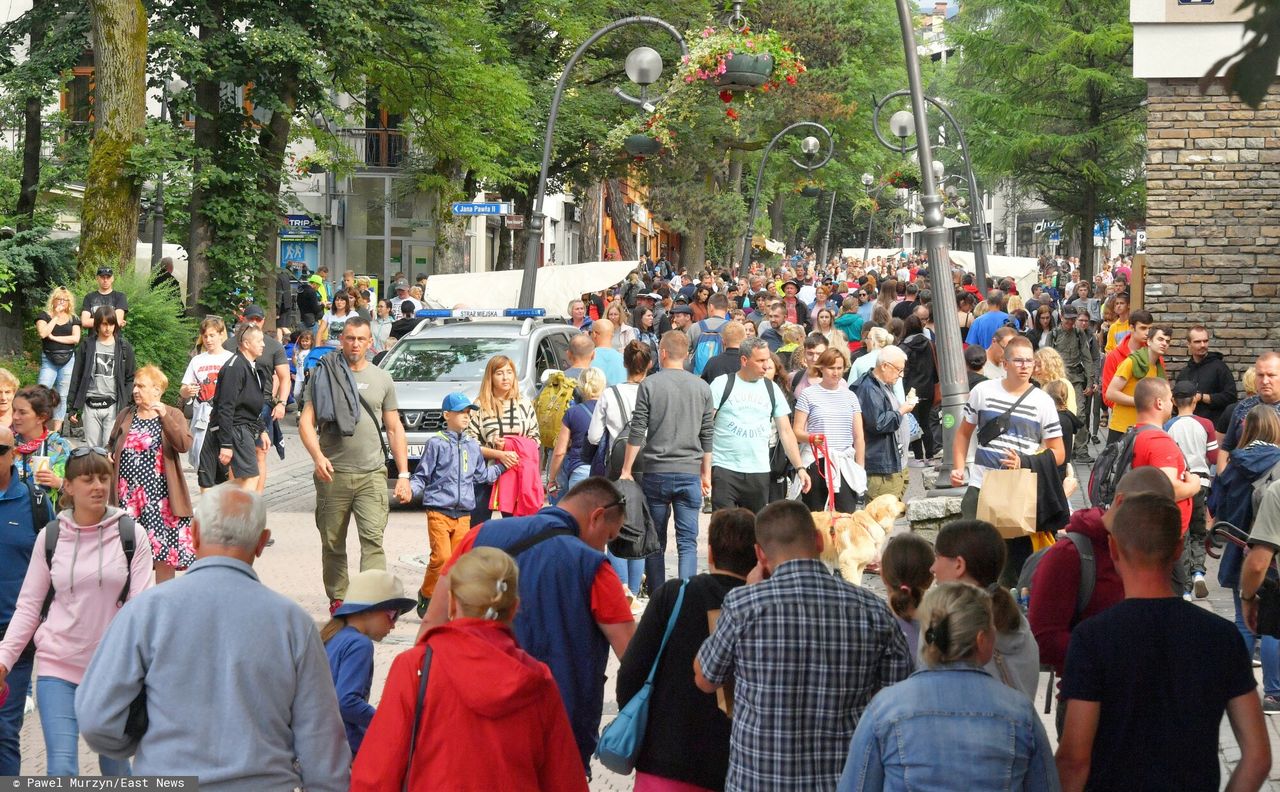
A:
(806, 651)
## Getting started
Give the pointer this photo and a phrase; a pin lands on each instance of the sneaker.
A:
(919, 463)
(423, 604)
(1186, 595)
(1270, 705)
(334, 605)
(1199, 586)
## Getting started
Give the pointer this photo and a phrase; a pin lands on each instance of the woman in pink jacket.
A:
(89, 578)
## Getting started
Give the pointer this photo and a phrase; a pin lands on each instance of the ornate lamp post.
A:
(810, 147)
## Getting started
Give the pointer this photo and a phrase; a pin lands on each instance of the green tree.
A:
(1250, 70)
(1046, 92)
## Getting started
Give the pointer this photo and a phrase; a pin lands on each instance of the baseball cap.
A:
(457, 402)
(652, 296)
(1184, 389)
(254, 312)
(106, 271)
(681, 309)
(402, 284)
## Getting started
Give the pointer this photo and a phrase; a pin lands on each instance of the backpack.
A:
(1088, 573)
(128, 542)
(553, 401)
(1115, 460)
(710, 344)
(608, 455)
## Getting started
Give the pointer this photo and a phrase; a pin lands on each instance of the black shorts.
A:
(730, 489)
(244, 456)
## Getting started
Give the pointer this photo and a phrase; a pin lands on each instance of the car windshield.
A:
(450, 359)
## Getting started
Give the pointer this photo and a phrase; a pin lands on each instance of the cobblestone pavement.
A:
(292, 566)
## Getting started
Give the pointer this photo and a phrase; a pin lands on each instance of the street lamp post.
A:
(809, 147)
(867, 181)
(951, 370)
(643, 67)
(826, 238)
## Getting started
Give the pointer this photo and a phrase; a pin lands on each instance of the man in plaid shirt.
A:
(806, 652)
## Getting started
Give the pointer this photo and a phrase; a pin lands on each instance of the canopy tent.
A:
(556, 286)
(871, 253)
(1024, 271)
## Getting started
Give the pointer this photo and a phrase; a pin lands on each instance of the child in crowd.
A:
(1071, 423)
(906, 569)
(200, 381)
(450, 468)
(301, 348)
(1196, 437)
(375, 599)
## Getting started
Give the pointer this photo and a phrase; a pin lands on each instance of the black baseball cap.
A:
(106, 271)
(254, 312)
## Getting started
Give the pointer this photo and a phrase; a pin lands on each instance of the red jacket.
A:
(492, 720)
(1056, 584)
(518, 491)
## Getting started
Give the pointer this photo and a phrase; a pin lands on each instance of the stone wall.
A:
(1213, 217)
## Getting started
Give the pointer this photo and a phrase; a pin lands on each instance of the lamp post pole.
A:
(809, 146)
(826, 238)
(157, 212)
(867, 181)
(644, 66)
(951, 371)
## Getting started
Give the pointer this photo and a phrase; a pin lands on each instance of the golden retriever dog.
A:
(851, 542)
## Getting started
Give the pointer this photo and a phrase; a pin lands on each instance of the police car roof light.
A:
(480, 313)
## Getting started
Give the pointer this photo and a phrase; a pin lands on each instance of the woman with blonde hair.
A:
(876, 338)
(504, 412)
(1050, 368)
(950, 725)
(8, 389)
(568, 466)
(824, 323)
(59, 334)
(623, 333)
(147, 442)
(481, 689)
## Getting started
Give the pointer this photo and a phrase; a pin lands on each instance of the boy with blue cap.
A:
(450, 468)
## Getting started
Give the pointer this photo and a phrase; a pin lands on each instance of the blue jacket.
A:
(18, 532)
(554, 623)
(880, 424)
(450, 468)
(350, 654)
(950, 727)
(1231, 500)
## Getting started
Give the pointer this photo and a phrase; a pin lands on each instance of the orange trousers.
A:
(445, 534)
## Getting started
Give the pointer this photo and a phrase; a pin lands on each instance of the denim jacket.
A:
(450, 468)
(880, 424)
(954, 727)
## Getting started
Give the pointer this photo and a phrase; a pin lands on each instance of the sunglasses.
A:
(621, 502)
(84, 451)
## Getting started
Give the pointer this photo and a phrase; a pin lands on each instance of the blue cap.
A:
(458, 402)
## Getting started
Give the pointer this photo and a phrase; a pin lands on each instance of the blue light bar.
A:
(480, 313)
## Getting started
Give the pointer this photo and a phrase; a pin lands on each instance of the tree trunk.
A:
(695, 247)
(200, 231)
(32, 140)
(589, 225)
(109, 224)
(616, 206)
(777, 217)
(272, 142)
(1086, 220)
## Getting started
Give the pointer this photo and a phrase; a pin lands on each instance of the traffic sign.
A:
(514, 222)
(473, 208)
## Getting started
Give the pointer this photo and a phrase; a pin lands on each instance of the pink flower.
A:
(684, 59)
(750, 44)
(137, 442)
(122, 489)
(166, 513)
(707, 32)
(688, 78)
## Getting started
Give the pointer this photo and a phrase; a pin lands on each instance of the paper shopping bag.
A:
(1007, 500)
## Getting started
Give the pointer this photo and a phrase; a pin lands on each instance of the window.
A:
(450, 359)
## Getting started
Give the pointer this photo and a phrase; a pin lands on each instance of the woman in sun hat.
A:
(375, 599)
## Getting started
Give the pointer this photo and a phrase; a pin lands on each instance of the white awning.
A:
(556, 286)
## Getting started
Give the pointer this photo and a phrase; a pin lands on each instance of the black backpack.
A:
(128, 543)
(1115, 460)
(1088, 573)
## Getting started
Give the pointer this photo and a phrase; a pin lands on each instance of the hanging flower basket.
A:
(741, 60)
(641, 146)
(743, 71)
(904, 178)
(810, 192)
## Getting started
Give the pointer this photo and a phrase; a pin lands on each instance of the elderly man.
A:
(883, 425)
(268, 716)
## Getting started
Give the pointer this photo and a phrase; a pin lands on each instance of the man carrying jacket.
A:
(1215, 386)
(882, 423)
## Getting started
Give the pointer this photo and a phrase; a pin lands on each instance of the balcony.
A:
(377, 148)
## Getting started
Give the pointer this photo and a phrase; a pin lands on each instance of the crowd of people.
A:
(761, 400)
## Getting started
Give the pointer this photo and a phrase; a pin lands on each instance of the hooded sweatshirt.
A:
(88, 573)
(492, 719)
(1212, 376)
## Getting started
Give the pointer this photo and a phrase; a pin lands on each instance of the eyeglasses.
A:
(84, 451)
(894, 366)
(621, 502)
(1022, 362)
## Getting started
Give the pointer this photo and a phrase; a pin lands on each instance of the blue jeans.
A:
(56, 700)
(1269, 651)
(19, 680)
(567, 479)
(630, 570)
(683, 493)
(58, 378)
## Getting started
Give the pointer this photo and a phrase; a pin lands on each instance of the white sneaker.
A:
(1186, 595)
(1199, 585)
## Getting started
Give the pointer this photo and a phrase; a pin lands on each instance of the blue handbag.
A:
(621, 740)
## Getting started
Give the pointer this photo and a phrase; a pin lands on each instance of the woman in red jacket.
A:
(492, 717)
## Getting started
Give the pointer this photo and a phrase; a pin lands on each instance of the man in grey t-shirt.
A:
(350, 474)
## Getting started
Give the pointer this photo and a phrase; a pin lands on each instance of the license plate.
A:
(415, 450)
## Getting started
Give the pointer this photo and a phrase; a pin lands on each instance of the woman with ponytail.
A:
(490, 717)
(972, 551)
(906, 567)
(950, 724)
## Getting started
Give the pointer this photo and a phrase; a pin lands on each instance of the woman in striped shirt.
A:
(503, 411)
(829, 409)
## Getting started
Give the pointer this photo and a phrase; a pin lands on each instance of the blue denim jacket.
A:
(880, 425)
(951, 727)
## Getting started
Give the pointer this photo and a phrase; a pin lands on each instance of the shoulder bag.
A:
(620, 742)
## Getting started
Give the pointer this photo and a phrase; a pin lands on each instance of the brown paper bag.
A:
(1007, 500)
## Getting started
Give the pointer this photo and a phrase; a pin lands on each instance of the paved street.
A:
(292, 566)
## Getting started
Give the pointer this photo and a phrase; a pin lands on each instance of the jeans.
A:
(19, 680)
(630, 570)
(569, 478)
(58, 378)
(1269, 651)
(56, 700)
(665, 492)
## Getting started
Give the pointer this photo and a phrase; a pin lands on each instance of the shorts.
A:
(244, 456)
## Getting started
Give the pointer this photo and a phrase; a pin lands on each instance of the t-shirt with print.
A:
(1155, 448)
(362, 451)
(1163, 671)
(1034, 421)
(1125, 415)
(102, 381)
(831, 413)
(333, 325)
(203, 371)
(743, 423)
